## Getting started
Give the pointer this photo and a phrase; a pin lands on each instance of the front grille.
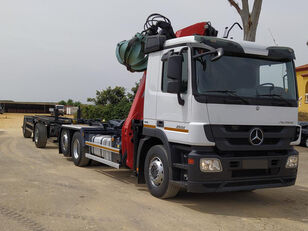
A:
(237, 137)
(251, 153)
(245, 141)
(289, 180)
(246, 128)
(255, 172)
(275, 162)
(234, 164)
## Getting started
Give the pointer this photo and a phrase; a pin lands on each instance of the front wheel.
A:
(78, 152)
(156, 172)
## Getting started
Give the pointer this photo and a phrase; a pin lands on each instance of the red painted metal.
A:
(196, 29)
(136, 112)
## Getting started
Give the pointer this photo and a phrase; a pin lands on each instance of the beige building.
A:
(302, 85)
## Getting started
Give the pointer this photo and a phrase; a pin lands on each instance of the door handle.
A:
(160, 123)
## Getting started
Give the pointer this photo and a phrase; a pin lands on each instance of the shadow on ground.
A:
(125, 176)
(288, 203)
(51, 147)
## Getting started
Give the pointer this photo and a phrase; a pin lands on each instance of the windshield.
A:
(245, 77)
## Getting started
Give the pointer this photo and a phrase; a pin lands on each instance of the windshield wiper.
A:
(277, 95)
(232, 93)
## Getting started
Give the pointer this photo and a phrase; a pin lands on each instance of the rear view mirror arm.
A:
(167, 55)
(219, 51)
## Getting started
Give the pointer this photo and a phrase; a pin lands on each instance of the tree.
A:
(134, 90)
(109, 96)
(111, 103)
(62, 102)
(250, 20)
(70, 102)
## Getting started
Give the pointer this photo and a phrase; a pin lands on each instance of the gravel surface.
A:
(41, 190)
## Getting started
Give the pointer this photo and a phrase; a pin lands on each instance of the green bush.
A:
(107, 112)
(92, 111)
(70, 102)
(111, 103)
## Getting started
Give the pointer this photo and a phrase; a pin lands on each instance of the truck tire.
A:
(306, 142)
(26, 133)
(65, 140)
(156, 172)
(40, 135)
(78, 152)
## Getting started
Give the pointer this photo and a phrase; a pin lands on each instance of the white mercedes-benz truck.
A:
(211, 114)
(226, 112)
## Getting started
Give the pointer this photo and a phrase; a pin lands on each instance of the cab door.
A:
(171, 116)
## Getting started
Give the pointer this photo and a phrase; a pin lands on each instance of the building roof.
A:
(302, 68)
(36, 103)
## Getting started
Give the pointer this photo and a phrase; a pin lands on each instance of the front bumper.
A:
(237, 176)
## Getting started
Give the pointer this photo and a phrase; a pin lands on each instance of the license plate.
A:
(255, 164)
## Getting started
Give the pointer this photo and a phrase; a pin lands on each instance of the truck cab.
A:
(223, 112)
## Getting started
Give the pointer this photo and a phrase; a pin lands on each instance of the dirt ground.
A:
(41, 190)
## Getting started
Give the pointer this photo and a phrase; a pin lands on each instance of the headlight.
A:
(210, 165)
(292, 161)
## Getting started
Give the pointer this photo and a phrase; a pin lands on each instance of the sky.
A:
(59, 49)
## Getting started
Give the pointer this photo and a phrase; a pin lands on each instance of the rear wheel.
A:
(78, 152)
(65, 142)
(156, 172)
(40, 135)
(26, 133)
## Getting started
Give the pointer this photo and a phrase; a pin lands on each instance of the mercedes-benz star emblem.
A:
(256, 136)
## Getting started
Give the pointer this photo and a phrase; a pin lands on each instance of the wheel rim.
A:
(64, 141)
(76, 148)
(306, 142)
(156, 172)
(36, 135)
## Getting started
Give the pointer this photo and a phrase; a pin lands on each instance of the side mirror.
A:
(174, 73)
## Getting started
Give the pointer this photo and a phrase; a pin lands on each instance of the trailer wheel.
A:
(156, 172)
(306, 142)
(26, 133)
(40, 135)
(65, 142)
(78, 152)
